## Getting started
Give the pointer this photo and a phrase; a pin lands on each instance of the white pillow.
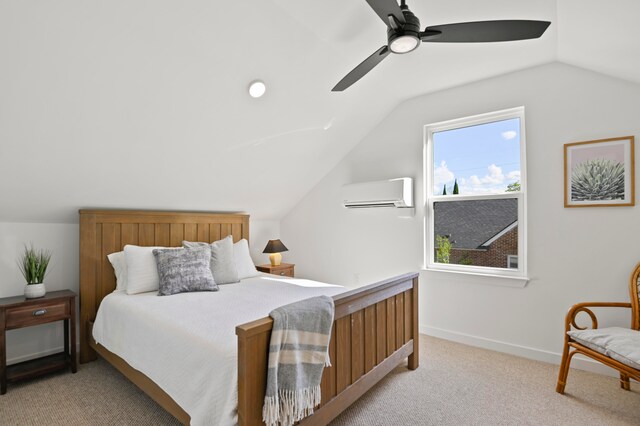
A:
(119, 264)
(244, 263)
(142, 271)
(223, 261)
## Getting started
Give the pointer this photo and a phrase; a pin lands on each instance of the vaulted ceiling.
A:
(144, 104)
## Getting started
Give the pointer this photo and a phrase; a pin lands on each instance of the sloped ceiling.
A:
(601, 36)
(144, 104)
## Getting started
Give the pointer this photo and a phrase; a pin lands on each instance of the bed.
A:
(374, 330)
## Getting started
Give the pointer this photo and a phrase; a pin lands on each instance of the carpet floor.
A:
(455, 385)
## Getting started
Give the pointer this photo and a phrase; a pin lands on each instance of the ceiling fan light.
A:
(404, 44)
(257, 88)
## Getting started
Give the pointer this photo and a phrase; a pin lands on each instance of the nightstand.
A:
(283, 269)
(19, 312)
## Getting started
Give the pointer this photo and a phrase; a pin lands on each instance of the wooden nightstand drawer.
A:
(36, 314)
(283, 270)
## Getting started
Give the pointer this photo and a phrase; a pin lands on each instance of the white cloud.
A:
(509, 134)
(491, 183)
(495, 175)
(480, 190)
(442, 174)
(514, 175)
(474, 180)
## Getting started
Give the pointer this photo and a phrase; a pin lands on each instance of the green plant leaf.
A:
(33, 264)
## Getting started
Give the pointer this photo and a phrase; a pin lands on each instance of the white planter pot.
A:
(32, 291)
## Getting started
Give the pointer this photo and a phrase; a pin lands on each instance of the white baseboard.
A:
(578, 361)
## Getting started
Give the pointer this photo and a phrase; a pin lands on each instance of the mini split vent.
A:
(396, 193)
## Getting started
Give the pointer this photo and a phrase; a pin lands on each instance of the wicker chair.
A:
(627, 368)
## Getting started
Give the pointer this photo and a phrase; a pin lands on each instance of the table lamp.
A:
(275, 247)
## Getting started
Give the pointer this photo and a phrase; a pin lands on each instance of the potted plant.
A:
(33, 265)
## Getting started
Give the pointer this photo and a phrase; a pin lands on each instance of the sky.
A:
(484, 158)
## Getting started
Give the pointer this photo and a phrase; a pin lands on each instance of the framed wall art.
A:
(599, 173)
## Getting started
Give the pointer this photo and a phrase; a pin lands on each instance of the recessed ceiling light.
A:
(257, 88)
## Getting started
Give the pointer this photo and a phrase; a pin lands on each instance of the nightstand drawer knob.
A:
(39, 312)
(281, 273)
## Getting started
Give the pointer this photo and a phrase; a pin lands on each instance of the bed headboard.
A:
(106, 231)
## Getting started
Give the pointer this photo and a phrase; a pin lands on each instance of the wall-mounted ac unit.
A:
(385, 193)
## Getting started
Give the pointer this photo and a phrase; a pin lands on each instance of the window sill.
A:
(480, 278)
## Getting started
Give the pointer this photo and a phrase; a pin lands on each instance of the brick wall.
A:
(495, 256)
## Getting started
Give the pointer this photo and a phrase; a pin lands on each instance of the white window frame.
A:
(430, 198)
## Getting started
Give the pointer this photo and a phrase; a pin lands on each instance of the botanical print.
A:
(599, 173)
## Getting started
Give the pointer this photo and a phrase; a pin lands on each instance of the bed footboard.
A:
(375, 329)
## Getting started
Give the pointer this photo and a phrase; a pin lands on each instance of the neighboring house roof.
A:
(473, 224)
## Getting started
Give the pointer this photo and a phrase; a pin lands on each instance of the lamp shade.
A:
(275, 246)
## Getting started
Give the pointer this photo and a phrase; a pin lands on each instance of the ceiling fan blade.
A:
(361, 70)
(484, 31)
(384, 8)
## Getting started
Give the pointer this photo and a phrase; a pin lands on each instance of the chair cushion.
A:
(592, 339)
(621, 344)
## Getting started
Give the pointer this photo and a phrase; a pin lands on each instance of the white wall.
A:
(63, 241)
(574, 254)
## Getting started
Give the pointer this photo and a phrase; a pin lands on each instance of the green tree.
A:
(455, 187)
(513, 187)
(466, 259)
(443, 248)
(444, 189)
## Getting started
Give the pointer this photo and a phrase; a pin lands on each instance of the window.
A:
(476, 193)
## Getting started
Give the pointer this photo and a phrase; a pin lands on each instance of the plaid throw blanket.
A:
(298, 352)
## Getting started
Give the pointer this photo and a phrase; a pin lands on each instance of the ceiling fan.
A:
(404, 35)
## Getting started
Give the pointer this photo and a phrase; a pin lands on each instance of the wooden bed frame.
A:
(375, 327)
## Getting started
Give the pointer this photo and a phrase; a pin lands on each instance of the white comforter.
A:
(186, 343)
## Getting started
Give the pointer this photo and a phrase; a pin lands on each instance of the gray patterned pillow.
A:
(223, 262)
(184, 270)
